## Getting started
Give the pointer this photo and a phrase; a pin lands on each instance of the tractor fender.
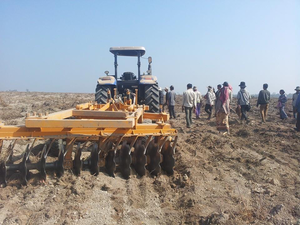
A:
(148, 79)
(109, 80)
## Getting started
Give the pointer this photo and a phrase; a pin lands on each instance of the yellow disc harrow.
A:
(113, 136)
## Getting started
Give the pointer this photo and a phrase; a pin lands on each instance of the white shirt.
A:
(211, 97)
(189, 98)
(198, 96)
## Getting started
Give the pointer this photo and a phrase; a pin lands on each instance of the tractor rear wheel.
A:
(152, 97)
(101, 94)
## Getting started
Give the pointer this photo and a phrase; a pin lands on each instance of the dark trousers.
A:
(208, 109)
(172, 111)
(298, 121)
(283, 114)
(188, 116)
(295, 112)
(244, 109)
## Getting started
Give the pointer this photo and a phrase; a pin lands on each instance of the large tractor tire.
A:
(152, 97)
(101, 93)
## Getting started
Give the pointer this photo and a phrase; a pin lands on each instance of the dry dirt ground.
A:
(248, 177)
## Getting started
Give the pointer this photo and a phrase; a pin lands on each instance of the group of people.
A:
(220, 101)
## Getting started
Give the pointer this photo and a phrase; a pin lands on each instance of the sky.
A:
(63, 46)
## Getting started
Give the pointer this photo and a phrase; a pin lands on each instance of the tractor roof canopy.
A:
(128, 51)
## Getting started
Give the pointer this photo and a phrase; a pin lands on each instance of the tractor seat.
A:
(128, 76)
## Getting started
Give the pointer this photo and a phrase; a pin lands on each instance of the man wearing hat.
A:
(243, 98)
(295, 96)
(210, 101)
(263, 100)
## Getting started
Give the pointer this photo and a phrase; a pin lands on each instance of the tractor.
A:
(127, 84)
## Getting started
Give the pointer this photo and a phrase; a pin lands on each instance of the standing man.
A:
(281, 104)
(167, 97)
(171, 101)
(210, 101)
(223, 108)
(298, 113)
(198, 102)
(263, 100)
(243, 98)
(161, 100)
(295, 96)
(188, 103)
(218, 92)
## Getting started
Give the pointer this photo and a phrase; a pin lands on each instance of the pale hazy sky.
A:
(63, 46)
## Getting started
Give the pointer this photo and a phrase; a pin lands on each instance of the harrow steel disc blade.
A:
(94, 168)
(23, 167)
(168, 161)
(154, 158)
(43, 163)
(125, 161)
(139, 159)
(59, 164)
(77, 163)
(110, 163)
(3, 173)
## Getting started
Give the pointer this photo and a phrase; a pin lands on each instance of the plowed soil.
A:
(248, 177)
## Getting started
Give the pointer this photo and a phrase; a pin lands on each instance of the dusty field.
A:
(248, 177)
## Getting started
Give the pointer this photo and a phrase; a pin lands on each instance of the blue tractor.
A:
(148, 90)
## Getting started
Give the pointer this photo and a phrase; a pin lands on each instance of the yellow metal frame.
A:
(92, 120)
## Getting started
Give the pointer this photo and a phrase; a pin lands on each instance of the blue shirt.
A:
(282, 98)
